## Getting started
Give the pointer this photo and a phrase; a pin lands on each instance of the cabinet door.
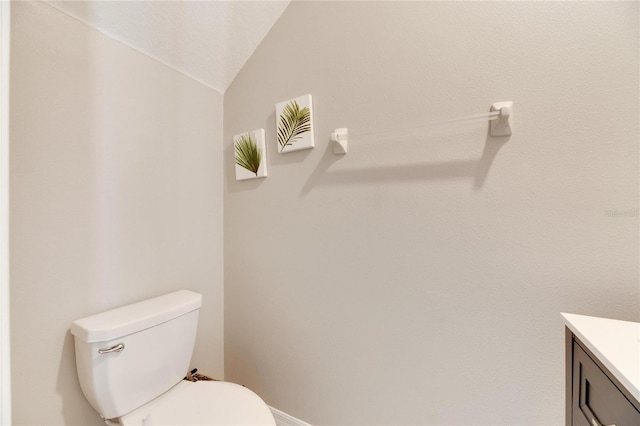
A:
(596, 400)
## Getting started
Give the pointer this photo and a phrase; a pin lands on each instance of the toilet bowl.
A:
(131, 362)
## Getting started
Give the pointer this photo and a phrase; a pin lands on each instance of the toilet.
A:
(131, 362)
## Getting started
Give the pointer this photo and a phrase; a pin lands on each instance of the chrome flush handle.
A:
(595, 422)
(117, 348)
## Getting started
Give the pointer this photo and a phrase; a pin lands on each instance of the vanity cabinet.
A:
(602, 382)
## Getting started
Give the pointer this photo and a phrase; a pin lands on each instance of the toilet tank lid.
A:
(129, 319)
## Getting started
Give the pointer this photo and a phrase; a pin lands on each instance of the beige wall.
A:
(116, 196)
(5, 361)
(419, 279)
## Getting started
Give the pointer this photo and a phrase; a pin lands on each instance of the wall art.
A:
(250, 155)
(294, 124)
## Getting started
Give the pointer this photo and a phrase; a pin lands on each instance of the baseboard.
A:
(283, 419)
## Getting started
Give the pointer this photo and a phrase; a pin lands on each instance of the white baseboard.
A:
(283, 419)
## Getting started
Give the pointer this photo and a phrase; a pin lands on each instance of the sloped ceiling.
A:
(208, 40)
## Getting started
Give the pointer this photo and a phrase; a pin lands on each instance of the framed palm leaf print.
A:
(250, 155)
(294, 124)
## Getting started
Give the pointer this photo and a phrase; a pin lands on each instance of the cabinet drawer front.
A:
(596, 400)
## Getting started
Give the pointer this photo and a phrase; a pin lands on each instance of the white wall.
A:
(116, 197)
(419, 279)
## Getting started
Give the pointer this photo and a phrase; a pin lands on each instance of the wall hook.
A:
(339, 137)
(502, 124)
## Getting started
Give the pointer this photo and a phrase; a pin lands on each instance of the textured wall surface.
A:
(116, 196)
(419, 279)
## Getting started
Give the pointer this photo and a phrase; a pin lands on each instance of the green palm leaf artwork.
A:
(248, 154)
(294, 121)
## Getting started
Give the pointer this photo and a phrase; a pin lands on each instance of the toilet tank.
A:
(128, 356)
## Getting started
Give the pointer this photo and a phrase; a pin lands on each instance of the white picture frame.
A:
(250, 155)
(294, 124)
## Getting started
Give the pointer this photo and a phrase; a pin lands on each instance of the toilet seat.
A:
(202, 403)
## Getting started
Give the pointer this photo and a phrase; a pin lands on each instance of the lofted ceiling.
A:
(208, 40)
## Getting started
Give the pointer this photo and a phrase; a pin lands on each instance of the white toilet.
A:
(131, 362)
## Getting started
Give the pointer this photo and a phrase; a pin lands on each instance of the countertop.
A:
(615, 343)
